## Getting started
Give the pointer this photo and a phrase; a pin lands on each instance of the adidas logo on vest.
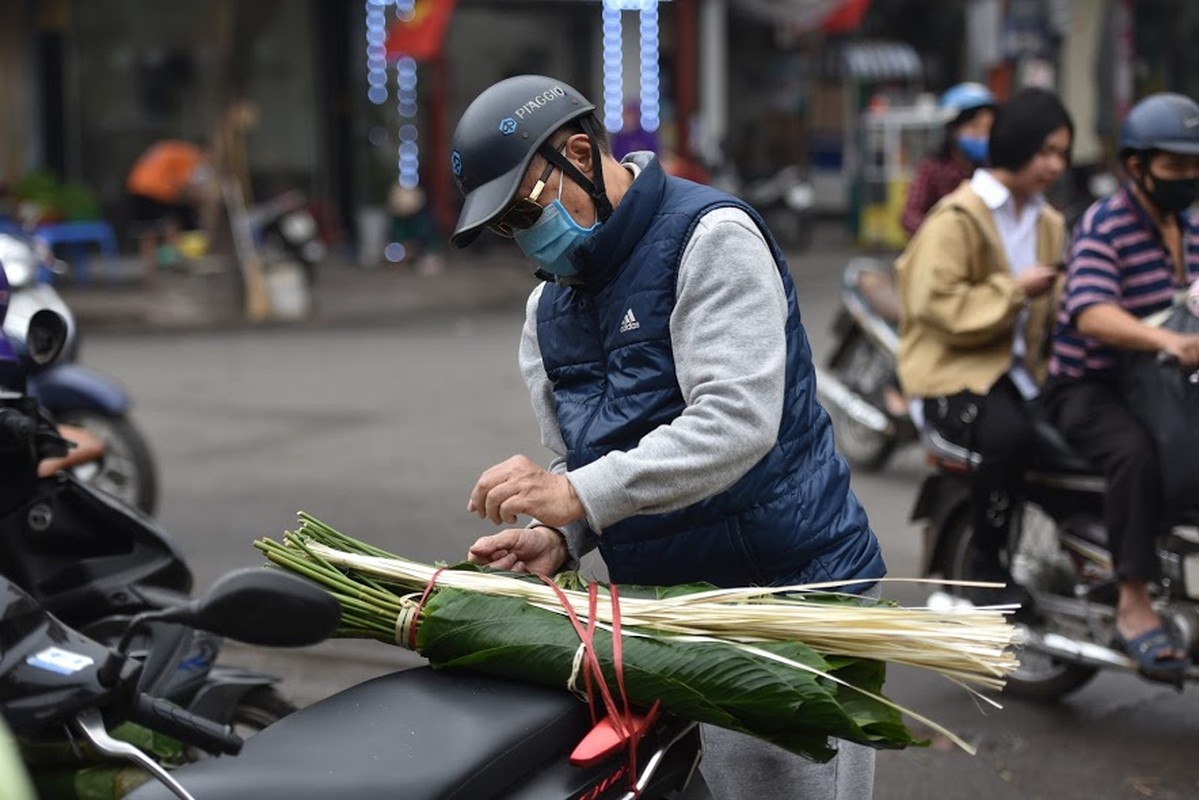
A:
(629, 323)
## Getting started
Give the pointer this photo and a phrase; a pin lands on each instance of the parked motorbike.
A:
(73, 393)
(785, 199)
(1059, 553)
(95, 563)
(54, 680)
(858, 385)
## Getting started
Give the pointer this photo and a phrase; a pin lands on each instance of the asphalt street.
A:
(381, 430)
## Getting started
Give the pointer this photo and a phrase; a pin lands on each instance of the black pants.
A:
(1092, 416)
(998, 426)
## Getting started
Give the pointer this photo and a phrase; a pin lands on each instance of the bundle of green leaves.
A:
(795, 666)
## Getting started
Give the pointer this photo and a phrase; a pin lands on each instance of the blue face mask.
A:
(973, 148)
(553, 237)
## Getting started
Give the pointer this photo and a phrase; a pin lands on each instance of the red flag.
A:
(846, 17)
(421, 36)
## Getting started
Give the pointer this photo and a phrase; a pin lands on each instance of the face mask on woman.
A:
(973, 147)
(553, 237)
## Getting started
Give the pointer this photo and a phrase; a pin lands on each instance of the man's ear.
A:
(578, 150)
(1135, 166)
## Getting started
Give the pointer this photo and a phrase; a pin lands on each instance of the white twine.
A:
(576, 668)
(405, 621)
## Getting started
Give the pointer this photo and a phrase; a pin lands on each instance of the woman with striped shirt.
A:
(1132, 253)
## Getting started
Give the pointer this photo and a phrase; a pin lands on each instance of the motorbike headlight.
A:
(19, 261)
(297, 226)
(800, 196)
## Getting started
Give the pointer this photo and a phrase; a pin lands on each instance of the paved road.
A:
(382, 430)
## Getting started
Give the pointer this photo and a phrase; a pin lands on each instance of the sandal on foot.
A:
(1148, 649)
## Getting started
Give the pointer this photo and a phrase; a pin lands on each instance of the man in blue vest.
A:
(673, 380)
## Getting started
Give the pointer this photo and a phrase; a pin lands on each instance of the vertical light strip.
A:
(409, 152)
(613, 77)
(650, 97)
(376, 53)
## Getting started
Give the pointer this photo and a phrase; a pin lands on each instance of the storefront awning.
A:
(880, 61)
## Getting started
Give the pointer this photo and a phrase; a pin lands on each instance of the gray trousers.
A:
(740, 767)
(737, 766)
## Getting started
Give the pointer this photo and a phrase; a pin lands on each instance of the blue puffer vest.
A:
(792, 518)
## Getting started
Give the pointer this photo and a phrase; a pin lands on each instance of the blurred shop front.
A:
(104, 80)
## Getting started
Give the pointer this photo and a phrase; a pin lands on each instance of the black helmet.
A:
(1164, 121)
(496, 139)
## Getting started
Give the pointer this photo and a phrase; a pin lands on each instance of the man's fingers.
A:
(478, 493)
(496, 499)
(506, 563)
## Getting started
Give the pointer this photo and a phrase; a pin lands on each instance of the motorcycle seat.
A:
(413, 734)
(1054, 454)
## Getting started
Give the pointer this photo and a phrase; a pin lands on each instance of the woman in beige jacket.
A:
(976, 286)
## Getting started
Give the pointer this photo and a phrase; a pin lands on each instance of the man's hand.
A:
(88, 447)
(1036, 280)
(519, 486)
(539, 550)
(1184, 347)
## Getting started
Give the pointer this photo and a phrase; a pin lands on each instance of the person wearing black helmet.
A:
(1132, 252)
(672, 379)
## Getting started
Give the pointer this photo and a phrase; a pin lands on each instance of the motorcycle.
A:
(785, 199)
(58, 685)
(287, 231)
(857, 384)
(96, 563)
(1059, 553)
(74, 394)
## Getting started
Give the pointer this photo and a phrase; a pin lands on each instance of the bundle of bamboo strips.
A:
(381, 596)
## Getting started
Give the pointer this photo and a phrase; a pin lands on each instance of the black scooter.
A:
(95, 562)
(56, 682)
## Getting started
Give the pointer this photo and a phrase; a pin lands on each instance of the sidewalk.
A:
(208, 297)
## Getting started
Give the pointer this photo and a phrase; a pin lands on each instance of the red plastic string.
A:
(419, 606)
(591, 665)
(622, 718)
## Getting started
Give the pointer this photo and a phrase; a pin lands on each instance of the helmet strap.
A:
(595, 189)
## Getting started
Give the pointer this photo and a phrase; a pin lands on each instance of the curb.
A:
(343, 296)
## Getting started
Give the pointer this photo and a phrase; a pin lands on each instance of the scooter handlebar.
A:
(166, 717)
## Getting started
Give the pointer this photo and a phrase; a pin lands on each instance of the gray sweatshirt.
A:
(728, 336)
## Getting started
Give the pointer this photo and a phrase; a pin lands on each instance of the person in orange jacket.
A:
(164, 186)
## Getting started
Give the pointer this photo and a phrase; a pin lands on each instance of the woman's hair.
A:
(954, 125)
(1022, 125)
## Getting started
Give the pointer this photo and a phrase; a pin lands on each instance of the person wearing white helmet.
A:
(1132, 252)
(671, 377)
(969, 109)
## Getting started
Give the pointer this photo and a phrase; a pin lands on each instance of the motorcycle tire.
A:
(127, 471)
(864, 448)
(257, 710)
(1039, 677)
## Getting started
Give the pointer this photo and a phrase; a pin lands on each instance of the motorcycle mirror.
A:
(263, 607)
(46, 336)
(1103, 184)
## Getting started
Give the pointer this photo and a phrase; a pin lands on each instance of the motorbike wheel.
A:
(127, 471)
(255, 711)
(258, 709)
(1039, 677)
(860, 367)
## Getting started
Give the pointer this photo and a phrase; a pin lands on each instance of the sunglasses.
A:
(524, 213)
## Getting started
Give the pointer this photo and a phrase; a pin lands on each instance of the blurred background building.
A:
(354, 96)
